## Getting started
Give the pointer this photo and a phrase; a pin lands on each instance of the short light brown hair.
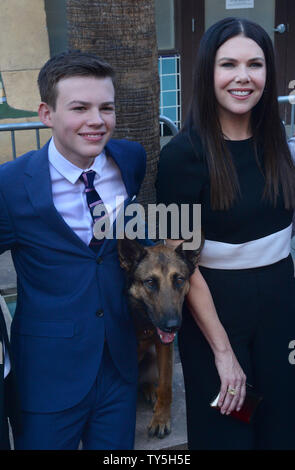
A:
(70, 64)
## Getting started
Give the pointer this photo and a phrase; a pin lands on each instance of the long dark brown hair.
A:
(267, 128)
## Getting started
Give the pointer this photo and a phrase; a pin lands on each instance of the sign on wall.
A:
(236, 4)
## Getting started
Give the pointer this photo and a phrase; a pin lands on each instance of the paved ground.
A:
(177, 439)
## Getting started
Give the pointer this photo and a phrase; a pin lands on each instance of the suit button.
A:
(99, 260)
(99, 313)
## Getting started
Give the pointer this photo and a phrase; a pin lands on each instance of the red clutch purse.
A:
(249, 406)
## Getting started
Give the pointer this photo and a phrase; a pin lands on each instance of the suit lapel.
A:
(38, 184)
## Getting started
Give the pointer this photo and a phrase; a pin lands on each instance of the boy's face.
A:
(84, 118)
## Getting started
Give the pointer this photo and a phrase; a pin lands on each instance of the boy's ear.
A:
(44, 112)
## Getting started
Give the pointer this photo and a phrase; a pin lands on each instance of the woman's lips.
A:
(240, 94)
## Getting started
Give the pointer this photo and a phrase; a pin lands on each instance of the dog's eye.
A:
(150, 284)
(179, 280)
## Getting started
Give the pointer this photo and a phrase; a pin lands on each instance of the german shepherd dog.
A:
(157, 282)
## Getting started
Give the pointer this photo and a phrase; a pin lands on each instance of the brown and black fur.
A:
(157, 282)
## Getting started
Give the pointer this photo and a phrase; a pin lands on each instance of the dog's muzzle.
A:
(168, 329)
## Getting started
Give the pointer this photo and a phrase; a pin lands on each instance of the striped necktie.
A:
(93, 199)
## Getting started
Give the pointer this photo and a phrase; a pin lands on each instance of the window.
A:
(169, 63)
(170, 96)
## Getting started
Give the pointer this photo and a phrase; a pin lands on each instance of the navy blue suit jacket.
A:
(69, 299)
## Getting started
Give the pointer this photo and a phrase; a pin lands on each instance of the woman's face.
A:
(239, 77)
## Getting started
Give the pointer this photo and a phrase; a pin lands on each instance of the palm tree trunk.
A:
(123, 33)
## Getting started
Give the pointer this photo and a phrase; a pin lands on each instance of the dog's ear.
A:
(191, 256)
(130, 253)
(159, 243)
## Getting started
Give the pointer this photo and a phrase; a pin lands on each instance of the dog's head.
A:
(158, 280)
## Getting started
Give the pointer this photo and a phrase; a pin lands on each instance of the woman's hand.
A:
(202, 308)
(232, 378)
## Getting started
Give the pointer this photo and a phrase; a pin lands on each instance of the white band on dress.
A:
(253, 254)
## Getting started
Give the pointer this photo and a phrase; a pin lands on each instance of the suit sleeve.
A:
(7, 232)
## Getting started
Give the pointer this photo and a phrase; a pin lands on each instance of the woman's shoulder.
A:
(181, 172)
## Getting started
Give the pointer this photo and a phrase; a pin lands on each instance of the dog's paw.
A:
(149, 392)
(159, 427)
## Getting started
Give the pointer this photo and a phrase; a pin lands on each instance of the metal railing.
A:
(22, 126)
(291, 100)
(25, 126)
(173, 128)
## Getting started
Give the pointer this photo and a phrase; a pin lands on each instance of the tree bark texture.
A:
(123, 33)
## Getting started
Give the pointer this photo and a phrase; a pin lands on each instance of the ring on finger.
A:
(232, 391)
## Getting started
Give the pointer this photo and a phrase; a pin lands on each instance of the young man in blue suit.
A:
(72, 336)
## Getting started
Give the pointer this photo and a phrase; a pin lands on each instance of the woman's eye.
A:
(227, 64)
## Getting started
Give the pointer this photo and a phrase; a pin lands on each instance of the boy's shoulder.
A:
(30, 162)
(16, 165)
(124, 144)
(131, 154)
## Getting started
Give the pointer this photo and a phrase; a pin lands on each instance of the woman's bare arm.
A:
(201, 306)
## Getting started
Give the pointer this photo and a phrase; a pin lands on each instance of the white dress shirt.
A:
(69, 195)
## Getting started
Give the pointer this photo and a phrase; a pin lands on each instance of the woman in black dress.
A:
(239, 318)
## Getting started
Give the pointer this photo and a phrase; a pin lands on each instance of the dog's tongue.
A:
(166, 337)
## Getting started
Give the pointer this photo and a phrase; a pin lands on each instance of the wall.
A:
(24, 48)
